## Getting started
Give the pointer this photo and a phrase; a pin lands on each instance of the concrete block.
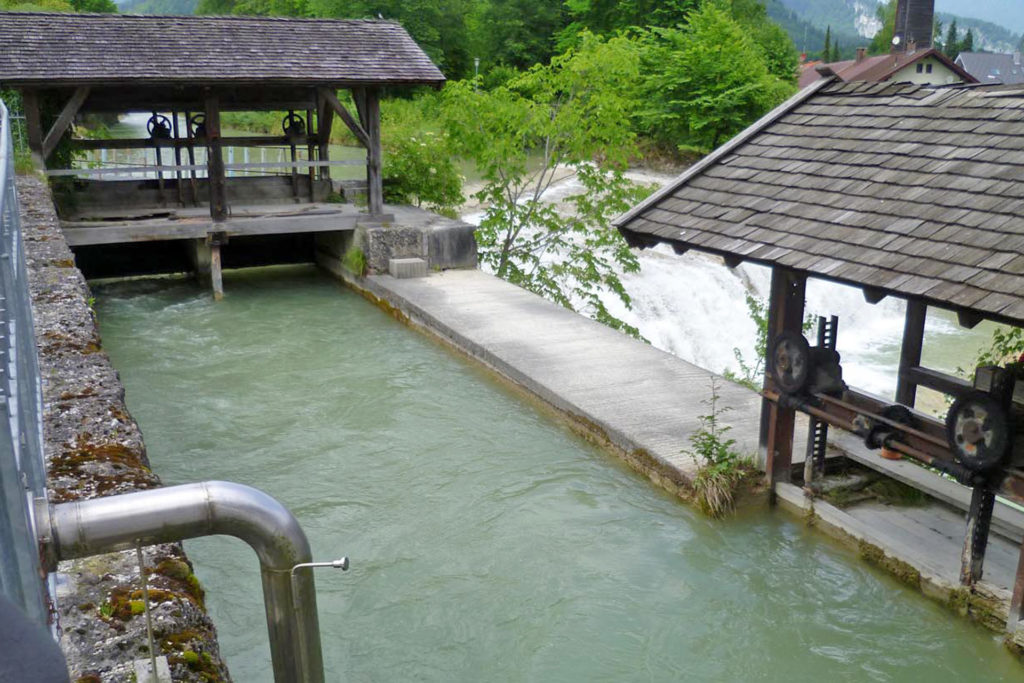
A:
(452, 245)
(407, 267)
(381, 244)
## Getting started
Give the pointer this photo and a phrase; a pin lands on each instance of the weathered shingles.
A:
(914, 189)
(119, 48)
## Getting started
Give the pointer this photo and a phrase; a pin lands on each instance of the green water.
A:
(487, 542)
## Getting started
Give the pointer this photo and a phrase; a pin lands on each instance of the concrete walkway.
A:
(647, 402)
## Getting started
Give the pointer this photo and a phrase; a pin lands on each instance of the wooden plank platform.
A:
(195, 223)
(1007, 521)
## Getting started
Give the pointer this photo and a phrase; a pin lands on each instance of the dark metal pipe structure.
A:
(174, 513)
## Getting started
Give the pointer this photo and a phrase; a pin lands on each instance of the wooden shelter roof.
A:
(111, 49)
(905, 189)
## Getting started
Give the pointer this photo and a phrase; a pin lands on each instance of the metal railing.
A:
(22, 471)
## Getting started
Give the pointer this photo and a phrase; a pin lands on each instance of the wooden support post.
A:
(177, 158)
(205, 256)
(215, 160)
(325, 118)
(785, 313)
(1017, 601)
(310, 151)
(910, 352)
(216, 280)
(64, 119)
(371, 123)
(191, 157)
(33, 126)
(983, 496)
(979, 520)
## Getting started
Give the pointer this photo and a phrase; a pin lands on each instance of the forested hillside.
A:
(1008, 14)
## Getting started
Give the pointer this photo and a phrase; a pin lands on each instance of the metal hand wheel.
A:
(159, 126)
(978, 431)
(790, 362)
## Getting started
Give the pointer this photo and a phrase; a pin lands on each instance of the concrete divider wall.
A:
(94, 448)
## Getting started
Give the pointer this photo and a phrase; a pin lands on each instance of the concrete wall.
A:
(442, 242)
(94, 448)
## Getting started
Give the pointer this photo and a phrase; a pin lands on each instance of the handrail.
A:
(175, 513)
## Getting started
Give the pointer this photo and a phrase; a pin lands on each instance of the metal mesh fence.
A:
(22, 471)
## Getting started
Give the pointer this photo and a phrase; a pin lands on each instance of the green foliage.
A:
(421, 170)
(1007, 347)
(882, 42)
(952, 42)
(98, 6)
(707, 81)
(521, 33)
(440, 28)
(164, 7)
(354, 261)
(720, 467)
(575, 113)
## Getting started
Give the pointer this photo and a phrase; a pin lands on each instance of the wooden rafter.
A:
(346, 116)
(64, 120)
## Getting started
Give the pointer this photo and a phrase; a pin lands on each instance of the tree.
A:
(574, 113)
(706, 82)
(952, 43)
(776, 47)
(967, 45)
(882, 42)
(826, 52)
(521, 33)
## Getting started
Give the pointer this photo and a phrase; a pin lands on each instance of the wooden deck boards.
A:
(195, 223)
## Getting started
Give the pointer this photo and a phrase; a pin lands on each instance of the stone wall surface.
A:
(94, 448)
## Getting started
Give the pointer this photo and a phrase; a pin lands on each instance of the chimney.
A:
(861, 54)
(914, 23)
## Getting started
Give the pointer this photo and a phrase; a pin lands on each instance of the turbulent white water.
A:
(694, 307)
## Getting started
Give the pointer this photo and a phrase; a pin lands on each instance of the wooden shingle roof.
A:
(912, 190)
(90, 49)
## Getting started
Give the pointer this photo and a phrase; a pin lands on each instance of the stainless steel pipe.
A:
(102, 525)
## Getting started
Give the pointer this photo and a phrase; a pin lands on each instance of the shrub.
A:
(720, 467)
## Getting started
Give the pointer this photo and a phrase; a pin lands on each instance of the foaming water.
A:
(694, 307)
(487, 542)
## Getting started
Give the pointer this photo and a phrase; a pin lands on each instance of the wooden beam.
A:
(873, 295)
(785, 314)
(344, 115)
(969, 319)
(918, 376)
(64, 120)
(374, 178)
(910, 351)
(215, 162)
(149, 143)
(33, 126)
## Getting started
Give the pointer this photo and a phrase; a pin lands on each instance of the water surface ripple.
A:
(487, 542)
